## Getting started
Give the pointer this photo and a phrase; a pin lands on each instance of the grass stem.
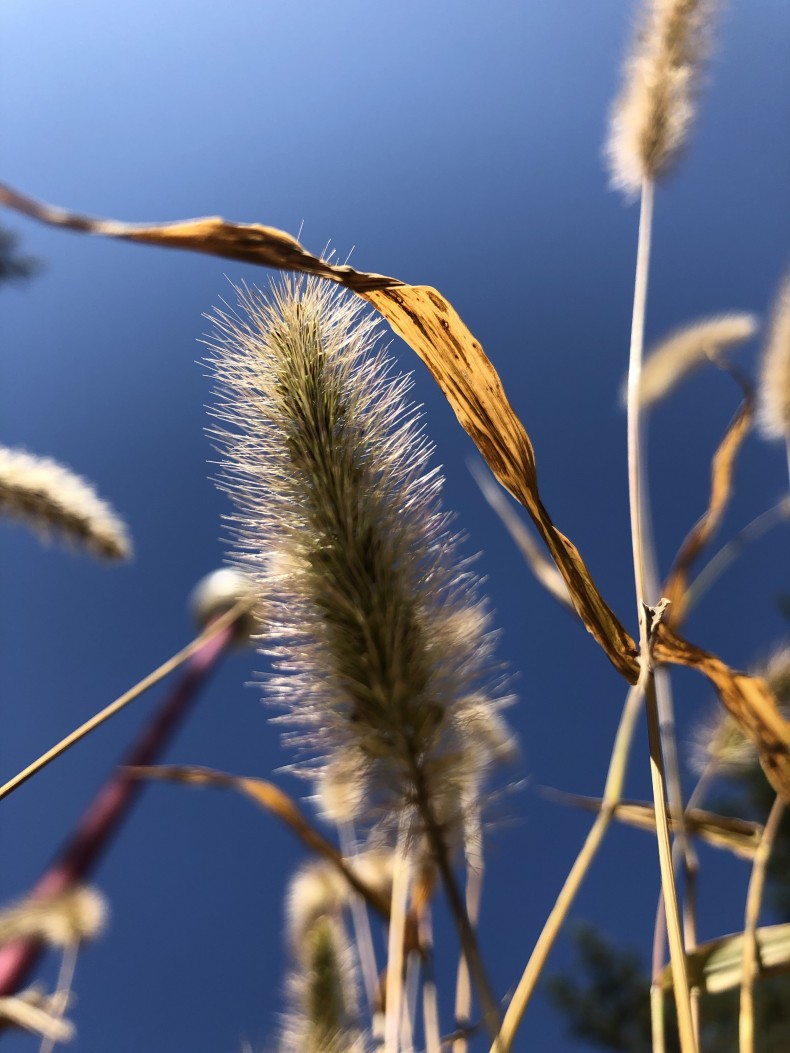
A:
(754, 898)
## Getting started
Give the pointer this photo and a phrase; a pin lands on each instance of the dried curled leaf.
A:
(277, 802)
(748, 699)
(434, 330)
(722, 467)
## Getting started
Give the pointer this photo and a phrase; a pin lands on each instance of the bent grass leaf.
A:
(718, 965)
(739, 836)
(722, 467)
(433, 329)
(277, 802)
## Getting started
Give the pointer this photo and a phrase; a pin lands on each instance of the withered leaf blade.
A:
(748, 699)
(722, 467)
(431, 326)
(433, 329)
(718, 965)
(739, 836)
(275, 801)
(212, 235)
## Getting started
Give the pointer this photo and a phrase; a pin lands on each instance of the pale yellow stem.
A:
(611, 796)
(754, 898)
(149, 681)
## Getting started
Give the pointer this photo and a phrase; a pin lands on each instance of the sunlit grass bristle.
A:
(381, 641)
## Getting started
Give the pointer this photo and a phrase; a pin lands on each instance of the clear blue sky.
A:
(453, 144)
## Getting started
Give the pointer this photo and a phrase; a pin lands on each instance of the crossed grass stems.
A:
(429, 324)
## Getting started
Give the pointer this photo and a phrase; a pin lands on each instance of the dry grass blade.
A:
(736, 835)
(212, 235)
(212, 632)
(433, 329)
(32, 1011)
(748, 699)
(277, 802)
(722, 466)
(430, 326)
(718, 965)
(544, 570)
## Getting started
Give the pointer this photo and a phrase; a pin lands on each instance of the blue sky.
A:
(457, 145)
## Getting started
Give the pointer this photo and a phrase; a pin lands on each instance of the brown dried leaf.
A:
(722, 467)
(275, 801)
(748, 699)
(212, 235)
(432, 328)
(736, 835)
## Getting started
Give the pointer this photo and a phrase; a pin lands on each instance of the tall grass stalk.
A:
(754, 899)
(643, 561)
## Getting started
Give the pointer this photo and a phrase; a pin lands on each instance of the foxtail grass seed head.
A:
(719, 740)
(381, 643)
(774, 386)
(653, 115)
(323, 1014)
(52, 499)
(62, 920)
(679, 354)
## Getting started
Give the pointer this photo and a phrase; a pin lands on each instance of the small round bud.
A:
(220, 591)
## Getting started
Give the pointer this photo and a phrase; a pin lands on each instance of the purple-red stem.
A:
(104, 816)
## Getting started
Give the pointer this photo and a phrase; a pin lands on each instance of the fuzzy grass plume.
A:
(652, 117)
(685, 350)
(52, 499)
(381, 643)
(775, 370)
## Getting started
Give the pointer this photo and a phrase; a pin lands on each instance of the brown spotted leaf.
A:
(748, 699)
(432, 328)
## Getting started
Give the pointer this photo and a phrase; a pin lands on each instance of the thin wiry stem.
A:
(361, 922)
(430, 997)
(60, 1001)
(642, 571)
(218, 627)
(463, 989)
(728, 553)
(400, 894)
(466, 934)
(754, 898)
(611, 796)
